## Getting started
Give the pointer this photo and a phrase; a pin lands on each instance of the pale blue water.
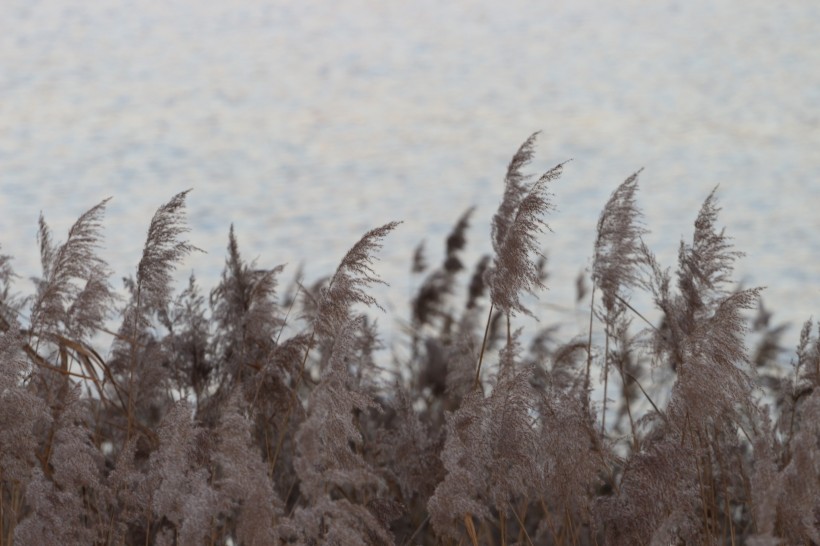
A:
(307, 123)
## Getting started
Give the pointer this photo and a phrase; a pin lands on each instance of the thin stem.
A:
(635, 379)
(550, 525)
(606, 379)
(287, 314)
(502, 526)
(483, 346)
(589, 341)
(417, 531)
(509, 335)
(628, 409)
(132, 365)
(646, 320)
(521, 524)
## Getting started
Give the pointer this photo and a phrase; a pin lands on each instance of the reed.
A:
(238, 416)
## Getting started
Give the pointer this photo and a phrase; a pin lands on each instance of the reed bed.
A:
(252, 414)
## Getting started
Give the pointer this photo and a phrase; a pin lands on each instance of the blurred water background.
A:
(306, 123)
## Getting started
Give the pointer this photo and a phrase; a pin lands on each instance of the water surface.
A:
(307, 123)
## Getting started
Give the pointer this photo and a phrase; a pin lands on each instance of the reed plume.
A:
(73, 295)
(615, 267)
(515, 227)
(347, 285)
(490, 474)
(515, 230)
(617, 256)
(245, 312)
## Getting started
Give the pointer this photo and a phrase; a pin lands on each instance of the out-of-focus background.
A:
(307, 123)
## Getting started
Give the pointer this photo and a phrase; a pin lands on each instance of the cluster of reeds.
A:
(252, 415)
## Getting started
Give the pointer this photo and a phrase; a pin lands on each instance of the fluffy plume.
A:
(648, 504)
(163, 249)
(6, 275)
(705, 266)
(245, 311)
(55, 516)
(456, 241)
(243, 479)
(716, 373)
(785, 498)
(73, 295)
(336, 523)
(460, 357)
(490, 451)
(615, 265)
(138, 357)
(347, 285)
(131, 492)
(429, 301)
(187, 343)
(324, 440)
(708, 331)
(805, 376)
(413, 450)
(515, 188)
(617, 246)
(515, 226)
(67, 493)
(703, 336)
(22, 413)
(419, 260)
(477, 285)
(328, 443)
(179, 478)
